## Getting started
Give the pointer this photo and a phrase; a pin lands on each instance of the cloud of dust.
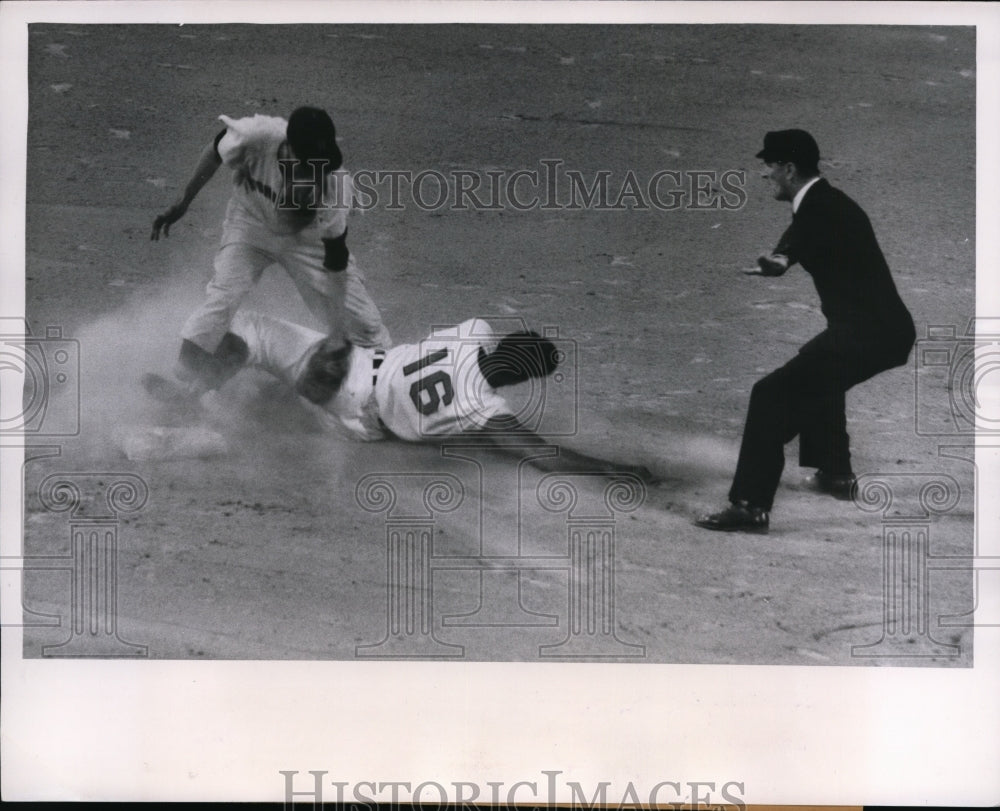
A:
(115, 351)
(686, 461)
(678, 450)
(699, 452)
(258, 416)
(142, 336)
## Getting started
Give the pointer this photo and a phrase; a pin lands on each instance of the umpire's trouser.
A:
(806, 398)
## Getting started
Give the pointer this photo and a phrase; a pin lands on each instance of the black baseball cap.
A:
(797, 146)
(312, 136)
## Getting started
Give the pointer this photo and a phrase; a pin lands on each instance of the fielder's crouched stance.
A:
(290, 201)
(445, 386)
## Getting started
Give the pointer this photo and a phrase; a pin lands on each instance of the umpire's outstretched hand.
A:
(168, 218)
(773, 264)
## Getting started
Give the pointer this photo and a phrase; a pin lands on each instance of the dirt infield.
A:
(279, 548)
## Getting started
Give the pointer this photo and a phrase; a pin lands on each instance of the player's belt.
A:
(377, 359)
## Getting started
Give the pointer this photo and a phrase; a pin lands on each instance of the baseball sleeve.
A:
(231, 143)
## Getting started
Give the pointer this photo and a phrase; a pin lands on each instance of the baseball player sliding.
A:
(289, 205)
(445, 386)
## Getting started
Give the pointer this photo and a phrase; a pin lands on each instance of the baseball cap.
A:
(312, 136)
(797, 146)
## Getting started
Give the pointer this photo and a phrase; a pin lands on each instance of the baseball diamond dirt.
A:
(598, 182)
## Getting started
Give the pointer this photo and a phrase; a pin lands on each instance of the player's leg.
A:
(207, 357)
(338, 299)
(198, 372)
(209, 353)
(275, 345)
(365, 326)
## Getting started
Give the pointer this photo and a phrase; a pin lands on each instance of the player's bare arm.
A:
(510, 436)
(208, 163)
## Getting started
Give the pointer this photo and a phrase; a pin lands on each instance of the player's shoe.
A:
(181, 398)
(738, 517)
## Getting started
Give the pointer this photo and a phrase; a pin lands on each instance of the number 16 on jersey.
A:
(430, 391)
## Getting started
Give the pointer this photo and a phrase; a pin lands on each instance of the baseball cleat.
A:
(738, 517)
(165, 390)
(171, 393)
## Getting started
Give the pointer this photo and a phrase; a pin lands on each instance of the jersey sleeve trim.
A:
(215, 143)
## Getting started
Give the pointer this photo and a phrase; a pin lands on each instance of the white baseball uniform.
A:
(257, 233)
(435, 388)
(421, 391)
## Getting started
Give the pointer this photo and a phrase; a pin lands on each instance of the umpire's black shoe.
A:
(839, 486)
(739, 517)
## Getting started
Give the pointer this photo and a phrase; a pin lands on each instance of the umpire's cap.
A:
(312, 136)
(796, 146)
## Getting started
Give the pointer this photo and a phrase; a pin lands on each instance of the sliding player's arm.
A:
(510, 436)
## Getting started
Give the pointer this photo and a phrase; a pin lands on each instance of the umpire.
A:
(868, 331)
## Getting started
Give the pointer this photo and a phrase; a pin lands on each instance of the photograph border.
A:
(226, 730)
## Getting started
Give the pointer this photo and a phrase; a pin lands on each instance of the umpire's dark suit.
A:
(868, 331)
